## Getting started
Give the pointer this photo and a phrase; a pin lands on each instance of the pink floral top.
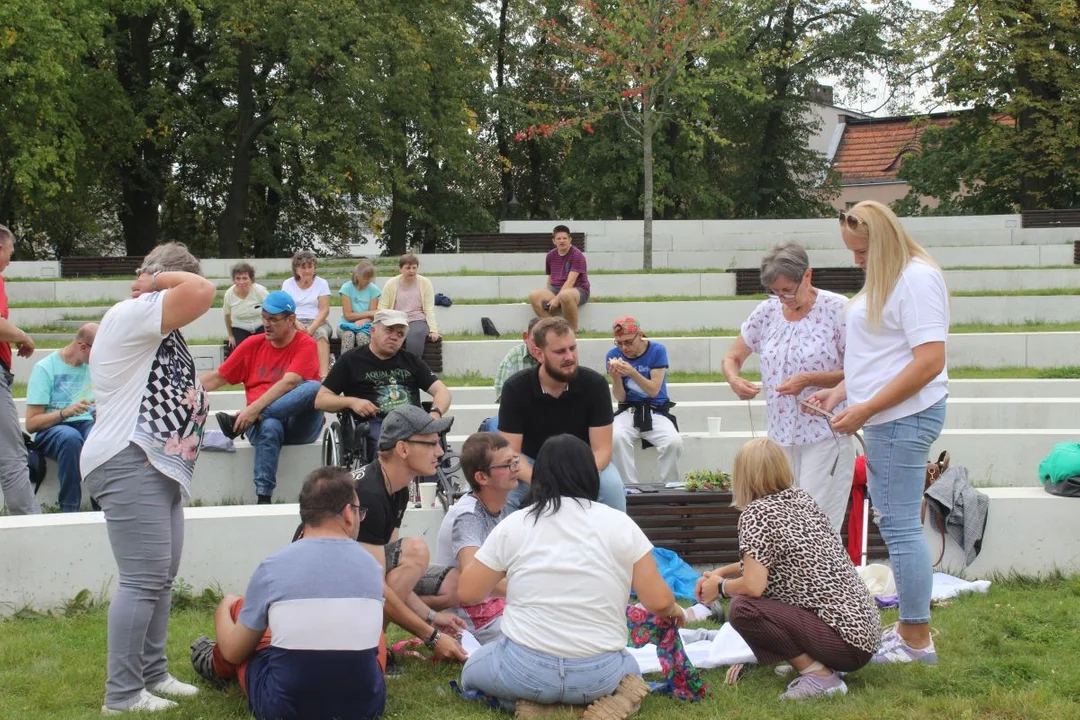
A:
(784, 348)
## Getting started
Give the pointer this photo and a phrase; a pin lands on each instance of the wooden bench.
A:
(513, 242)
(1050, 218)
(702, 527)
(73, 267)
(846, 281)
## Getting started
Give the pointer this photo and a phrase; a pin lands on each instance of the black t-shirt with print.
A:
(384, 511)
(525, 409)
(389, 383)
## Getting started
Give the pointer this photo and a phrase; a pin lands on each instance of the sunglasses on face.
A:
(850, 220)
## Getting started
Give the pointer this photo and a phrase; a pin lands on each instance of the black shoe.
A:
(265, 500)
(393, 667)
(225, 422)
(202, 659)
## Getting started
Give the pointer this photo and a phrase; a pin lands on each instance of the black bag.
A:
(489, 327)
(443, 300)
(1069, 487)
(35, 459)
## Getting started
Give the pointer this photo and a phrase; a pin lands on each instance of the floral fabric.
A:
(682, 678)
(812, 344)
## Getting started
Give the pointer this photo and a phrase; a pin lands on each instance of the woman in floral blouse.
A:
(795, 596)
(798, 334)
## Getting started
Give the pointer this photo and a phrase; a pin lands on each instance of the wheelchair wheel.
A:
(449, 487)
(332, 444)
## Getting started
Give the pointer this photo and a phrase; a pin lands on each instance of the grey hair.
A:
(6, 235)
(787, 260)
(171, 256)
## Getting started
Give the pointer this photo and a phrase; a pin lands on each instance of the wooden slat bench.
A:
(1050, 218)
(702, 527)
(513, 242)
(73, 267)
(847, 281)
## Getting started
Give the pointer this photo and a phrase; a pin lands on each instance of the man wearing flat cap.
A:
(379, 377)
(416, 594)
(638, 369)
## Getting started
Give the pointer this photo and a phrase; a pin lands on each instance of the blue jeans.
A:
(612, 491)
(63, 442)
(290, 420)
(490, 424)
(897, 451)
(512, 672)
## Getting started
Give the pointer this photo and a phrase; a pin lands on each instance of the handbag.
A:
(934, 470)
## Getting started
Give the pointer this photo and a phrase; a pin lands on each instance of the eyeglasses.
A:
(274, 319)
(853, 222)
(361, 512)
(787, 296)
(628, 341)
(514, 464)
(429, 443)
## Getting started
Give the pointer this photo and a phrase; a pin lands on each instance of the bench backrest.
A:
(846, 280)
(513, 242)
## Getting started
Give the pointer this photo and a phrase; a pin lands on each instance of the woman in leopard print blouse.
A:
(795, 596)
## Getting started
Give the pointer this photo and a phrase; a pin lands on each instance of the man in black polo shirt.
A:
(381, 376)
(559, 397)
(415, 592)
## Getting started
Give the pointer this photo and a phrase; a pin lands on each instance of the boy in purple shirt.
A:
(568, 281)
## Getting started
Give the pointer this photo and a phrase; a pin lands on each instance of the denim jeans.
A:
(144, 516)
(898, 450)
(612, 491)
(490, 424)
(63, 442)
(290, 420)
(511, 672)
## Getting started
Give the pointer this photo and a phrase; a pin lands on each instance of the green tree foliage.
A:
(1016, 64)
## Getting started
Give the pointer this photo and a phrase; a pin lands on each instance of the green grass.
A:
(1007, 654)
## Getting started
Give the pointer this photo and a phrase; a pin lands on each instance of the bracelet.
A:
(436, 409)
(435, 635)
(61, 414)
(431, 616)
(154, 279)
(720, 588)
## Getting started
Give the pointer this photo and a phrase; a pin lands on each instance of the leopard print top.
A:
(808, 568)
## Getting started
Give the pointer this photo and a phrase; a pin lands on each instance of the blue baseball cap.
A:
(278, 302)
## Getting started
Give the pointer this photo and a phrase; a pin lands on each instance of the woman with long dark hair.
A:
(570, 563)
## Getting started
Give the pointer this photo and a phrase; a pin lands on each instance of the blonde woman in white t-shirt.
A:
(569, 564)
(311, 294)
(895, 384)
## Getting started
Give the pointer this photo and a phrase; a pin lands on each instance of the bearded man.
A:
(559, 397)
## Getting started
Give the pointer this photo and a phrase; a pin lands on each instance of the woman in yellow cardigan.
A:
(414, 295)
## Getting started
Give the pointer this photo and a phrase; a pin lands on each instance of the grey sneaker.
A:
(894, 650)
(809, 687)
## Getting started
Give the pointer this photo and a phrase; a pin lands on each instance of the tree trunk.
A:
(772, 166)
(397, 240)
(647, 130)
(142, 178)
(501, 131)
(231, 223)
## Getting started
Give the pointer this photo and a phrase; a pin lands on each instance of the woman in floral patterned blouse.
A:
(798, 334)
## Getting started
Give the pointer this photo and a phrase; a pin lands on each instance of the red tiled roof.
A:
(871, 150)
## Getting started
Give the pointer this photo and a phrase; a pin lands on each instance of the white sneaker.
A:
(145, 703)
(174, 688)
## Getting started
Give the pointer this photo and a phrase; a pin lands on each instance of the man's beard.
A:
(557, 373)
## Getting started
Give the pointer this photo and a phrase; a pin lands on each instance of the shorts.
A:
(432, 579)
(324, 331)
(583, 296)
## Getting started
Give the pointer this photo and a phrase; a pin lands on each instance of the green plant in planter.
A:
(707, 480)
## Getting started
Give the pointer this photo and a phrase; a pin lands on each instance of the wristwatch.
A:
(431, 641)
(154, 279)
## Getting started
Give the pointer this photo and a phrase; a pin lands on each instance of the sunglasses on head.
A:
(850, 220)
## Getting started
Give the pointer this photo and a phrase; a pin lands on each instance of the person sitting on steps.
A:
(568, 280)
(241, 305)
(359, 301)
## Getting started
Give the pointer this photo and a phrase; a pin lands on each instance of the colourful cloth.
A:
(682, 678)
(855, 519)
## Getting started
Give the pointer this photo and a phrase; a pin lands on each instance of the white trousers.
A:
(812, 463)
(663, 436)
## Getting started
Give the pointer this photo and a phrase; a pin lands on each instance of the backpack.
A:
(443, 300)
(489, 327)
(35, 460)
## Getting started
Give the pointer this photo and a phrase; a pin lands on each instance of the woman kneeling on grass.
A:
(570, 563)
(795, 596)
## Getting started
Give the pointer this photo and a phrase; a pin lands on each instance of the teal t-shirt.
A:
(361, 301)
(55, 385)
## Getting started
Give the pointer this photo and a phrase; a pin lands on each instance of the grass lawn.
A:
(1007, 654)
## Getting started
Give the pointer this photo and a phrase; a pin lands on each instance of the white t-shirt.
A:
(147, 391)
(245, 313)
(568, 577)
(917, 312)
(307, 301)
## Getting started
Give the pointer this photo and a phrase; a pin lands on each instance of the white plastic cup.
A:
(714, 426)
(427, 495)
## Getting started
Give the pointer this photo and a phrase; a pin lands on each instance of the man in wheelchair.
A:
(372, 380)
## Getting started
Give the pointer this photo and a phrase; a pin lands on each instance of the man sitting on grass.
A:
(306, 640)
(491, 467)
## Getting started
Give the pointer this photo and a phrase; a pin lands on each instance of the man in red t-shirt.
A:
(280, 373)
(14, 472)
